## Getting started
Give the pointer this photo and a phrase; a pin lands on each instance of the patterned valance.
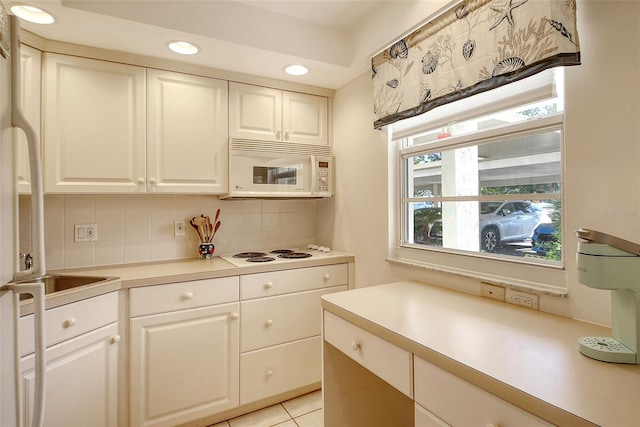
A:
(475, 46)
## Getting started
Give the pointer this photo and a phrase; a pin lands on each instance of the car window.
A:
(489, 207)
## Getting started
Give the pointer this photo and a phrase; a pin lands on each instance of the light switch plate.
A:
(178, 228)
(85, 233)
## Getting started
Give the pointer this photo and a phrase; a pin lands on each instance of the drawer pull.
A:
(70, 322)
(115, 339)
(269, 322)
(269, 372)
(268, 285)
(187, 295)
(355, 345)
(327, 276)
(235, 315)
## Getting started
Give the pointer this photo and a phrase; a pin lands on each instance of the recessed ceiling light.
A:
(183, 47)
(296, 70)
(32, 14)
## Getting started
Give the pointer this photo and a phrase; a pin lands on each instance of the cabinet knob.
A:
(235, 315)
(115, 339)
(268, 285)
(269, 372)
(278, 134)
(269, 322)
(188, 295)
(327, 276)
(286, 135)
(355, 345)
(140, 180)
(152, 180)
(70, 322)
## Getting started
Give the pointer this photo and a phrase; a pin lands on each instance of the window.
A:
(487, 185)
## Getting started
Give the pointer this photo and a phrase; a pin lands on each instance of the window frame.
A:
(550, 277)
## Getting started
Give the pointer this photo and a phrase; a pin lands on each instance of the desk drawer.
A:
(385, 360)
(441, 393)
(286, 281)
(182, 295)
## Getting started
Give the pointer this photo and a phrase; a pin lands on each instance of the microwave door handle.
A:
(19, 120)
(314, 175)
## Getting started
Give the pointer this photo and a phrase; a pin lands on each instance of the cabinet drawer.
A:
(70, 320)
(424, 418)
(283, 318)
(441, 392)
(182, 295)
(286, 281)
(387, 361)
(274, 370)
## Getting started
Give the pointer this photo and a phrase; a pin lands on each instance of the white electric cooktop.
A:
(279, 256)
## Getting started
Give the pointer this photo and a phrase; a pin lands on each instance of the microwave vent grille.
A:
(255, 146)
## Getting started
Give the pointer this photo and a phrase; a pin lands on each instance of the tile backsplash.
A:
(140, 228)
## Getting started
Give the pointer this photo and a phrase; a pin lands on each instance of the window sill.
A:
(506, 282)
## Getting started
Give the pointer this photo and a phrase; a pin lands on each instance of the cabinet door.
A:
(94, 126)
(187, 134)
(255, 112)
(30, 88)
(82, 380)
(304, 118)
(184, 365)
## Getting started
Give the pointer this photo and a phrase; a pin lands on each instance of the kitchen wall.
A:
(140, 228)
(602, 158)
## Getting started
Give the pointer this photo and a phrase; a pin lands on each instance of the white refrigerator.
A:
(14, 279)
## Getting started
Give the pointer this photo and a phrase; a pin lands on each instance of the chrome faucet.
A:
(27, 260)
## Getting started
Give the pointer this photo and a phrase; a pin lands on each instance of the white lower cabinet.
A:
(456, 402)
(280, 328)
(184, 363)
(81, 367)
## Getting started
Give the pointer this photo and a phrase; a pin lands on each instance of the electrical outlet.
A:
(85, 233)
(522, 298)
(495, 292)
(178, 228)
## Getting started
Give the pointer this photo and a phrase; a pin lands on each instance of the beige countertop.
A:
(526, 357)
(156, 273)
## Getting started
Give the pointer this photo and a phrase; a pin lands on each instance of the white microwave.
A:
(265, 169)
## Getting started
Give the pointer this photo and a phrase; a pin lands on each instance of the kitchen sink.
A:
(57, 283)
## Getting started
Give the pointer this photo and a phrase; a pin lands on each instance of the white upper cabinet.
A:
(187, 133)
(30, 88)
(262, 113)
(94, 126)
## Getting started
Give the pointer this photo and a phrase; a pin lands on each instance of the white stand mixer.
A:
(608, 262)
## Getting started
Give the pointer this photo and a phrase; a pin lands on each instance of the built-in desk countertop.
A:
(526, 357)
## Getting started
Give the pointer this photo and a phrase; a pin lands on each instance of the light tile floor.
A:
(303, 411)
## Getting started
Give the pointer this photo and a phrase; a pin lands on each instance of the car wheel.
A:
(490, 239)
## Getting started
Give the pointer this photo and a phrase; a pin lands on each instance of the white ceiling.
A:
(334, 38)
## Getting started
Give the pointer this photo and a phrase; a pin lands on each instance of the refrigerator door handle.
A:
(37, 290)
(37, 227)
(37, 191)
